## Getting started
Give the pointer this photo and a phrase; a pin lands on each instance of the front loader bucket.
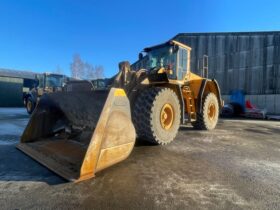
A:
(76, 134)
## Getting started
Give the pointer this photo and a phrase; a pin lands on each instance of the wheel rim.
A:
(166, 116)
(211, 111)
(29, 105)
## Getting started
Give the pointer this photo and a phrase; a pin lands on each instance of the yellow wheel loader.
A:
(79, 132)
(45, 83)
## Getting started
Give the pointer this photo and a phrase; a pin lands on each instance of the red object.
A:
(249, 105)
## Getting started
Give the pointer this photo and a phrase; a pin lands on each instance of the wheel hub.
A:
(166, 116)
(29, 105)
(211, 111)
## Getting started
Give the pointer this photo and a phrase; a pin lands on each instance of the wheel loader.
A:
(79, 132)
(45, 83)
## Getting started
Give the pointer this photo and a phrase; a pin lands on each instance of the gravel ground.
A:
(236, 166)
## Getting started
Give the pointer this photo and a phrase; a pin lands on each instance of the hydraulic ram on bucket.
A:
(76, 134)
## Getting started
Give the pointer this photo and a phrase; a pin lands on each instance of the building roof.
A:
(171, 42)
(17, 74)
(227, 33)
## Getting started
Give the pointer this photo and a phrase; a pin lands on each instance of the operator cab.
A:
(54, 80)
(172, 58)
(49, 80)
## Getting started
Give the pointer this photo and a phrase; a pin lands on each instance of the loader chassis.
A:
(168, 69)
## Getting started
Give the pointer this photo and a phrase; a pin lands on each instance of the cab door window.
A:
(182, 63)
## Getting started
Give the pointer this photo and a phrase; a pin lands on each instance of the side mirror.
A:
(140, 56)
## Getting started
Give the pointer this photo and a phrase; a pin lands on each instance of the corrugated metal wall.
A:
(11, 92)
(247, 61)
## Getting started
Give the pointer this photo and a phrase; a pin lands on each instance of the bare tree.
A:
(85, 70)
(58, 70)
(77, 67)
(99, 72)
(89, 71)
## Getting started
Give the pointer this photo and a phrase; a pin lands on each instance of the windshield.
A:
(99, 84)
(54, 80)
(162, 57)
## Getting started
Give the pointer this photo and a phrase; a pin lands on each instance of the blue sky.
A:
(39, 35)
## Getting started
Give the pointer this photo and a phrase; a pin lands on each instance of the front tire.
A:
(157, 115)
(208, 119)
(30, 105)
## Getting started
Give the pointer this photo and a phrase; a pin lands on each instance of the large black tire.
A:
(207, 120)
(149, 114)
(30, 105)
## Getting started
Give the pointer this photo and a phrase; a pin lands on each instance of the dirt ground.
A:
(236, 166)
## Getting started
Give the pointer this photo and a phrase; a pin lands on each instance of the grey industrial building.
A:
(12, 85)
(248, 61)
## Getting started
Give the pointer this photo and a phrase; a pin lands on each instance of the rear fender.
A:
(209, 86)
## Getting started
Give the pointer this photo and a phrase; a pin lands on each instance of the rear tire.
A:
(30, 105)
(156, 115)
(208, 119)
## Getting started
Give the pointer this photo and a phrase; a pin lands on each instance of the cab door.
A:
(182, 69)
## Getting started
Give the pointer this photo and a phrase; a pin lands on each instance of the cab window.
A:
(182, 63)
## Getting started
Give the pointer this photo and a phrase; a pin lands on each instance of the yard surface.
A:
(236, 166)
